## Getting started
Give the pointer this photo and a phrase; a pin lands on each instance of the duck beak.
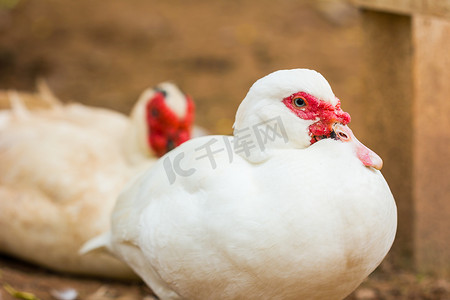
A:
(364, 154)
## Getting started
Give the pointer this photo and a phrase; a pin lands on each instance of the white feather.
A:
(305, 223)
(18, 107)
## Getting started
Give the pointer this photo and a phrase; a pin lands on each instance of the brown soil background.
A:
(104, 53)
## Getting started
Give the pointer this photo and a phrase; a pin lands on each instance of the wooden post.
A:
(388, 103)
(407, 98)
(432, 144)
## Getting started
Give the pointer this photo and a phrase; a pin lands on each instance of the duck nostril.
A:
(343, 135)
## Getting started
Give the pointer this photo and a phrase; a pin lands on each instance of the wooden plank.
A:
(431, 144)
(393, 6)
(438, 8)
(406, 100)
(388, 103)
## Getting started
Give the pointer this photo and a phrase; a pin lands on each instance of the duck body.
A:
(62, 169)
(57, 188)
(305, 224)
(292, 206)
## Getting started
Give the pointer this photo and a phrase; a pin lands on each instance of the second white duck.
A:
(62, 169)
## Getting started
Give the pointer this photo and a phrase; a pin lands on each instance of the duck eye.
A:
(160, 90)
(299, 102)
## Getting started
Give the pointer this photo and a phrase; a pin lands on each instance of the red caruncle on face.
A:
(308, 107)
(165, 129)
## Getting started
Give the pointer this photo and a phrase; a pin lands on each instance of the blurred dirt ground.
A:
(382, 284)
(105, 53)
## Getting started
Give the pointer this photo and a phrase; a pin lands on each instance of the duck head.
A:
(302, 102)
(161, 120)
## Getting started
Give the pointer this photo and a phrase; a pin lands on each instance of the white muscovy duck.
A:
(292, 206)
(62, 169)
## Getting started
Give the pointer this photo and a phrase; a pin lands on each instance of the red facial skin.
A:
(325, 113)
(166, 130)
